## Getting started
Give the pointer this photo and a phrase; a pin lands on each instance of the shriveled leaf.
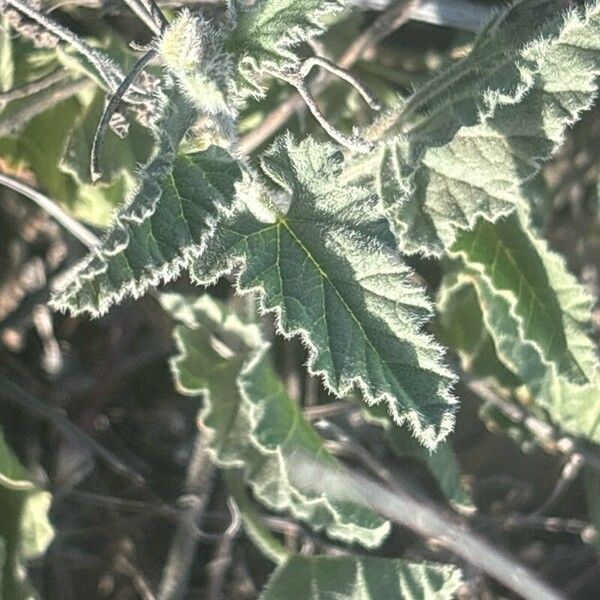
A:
(252, 422)
(361, 578)
(437, 178)
(266, 32)
(321, 266)
(25, 531)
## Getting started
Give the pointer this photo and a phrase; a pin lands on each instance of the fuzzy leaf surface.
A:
(267, 31)
(173, 212)
(485, 136)
(321, 266)
(252, 423)
(361, 578)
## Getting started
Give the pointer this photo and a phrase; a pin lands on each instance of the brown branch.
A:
(198, 487)
(385, 24)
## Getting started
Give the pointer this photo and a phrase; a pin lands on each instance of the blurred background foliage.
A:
(89, 411)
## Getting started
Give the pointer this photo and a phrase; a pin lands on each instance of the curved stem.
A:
(110, 109)
(319, 61)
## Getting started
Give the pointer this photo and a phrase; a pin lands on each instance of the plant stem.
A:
(385, 24)
(82, 233)
(35, 105)
(110, 109)
(545, 433)
(138, 8)
(424, 518)
(198, 487)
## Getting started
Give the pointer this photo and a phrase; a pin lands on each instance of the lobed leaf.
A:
(499, 114)
(322, 265)
(266, 32)
(251, 421)
(361, 577)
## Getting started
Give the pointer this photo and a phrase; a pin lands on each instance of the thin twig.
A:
(324, 63)
(218, 566)
(108, 71)
(198, 487)
(551, 524)
(385, 24)
(110, 109)
(11, 392)
(157, 14)
(35, 105)
(84, 235)
(568, 474)
(33, 87)
(138, 8)
(545, 433)
(127, 568)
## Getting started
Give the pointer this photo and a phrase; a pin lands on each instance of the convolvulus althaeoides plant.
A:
(316, 234)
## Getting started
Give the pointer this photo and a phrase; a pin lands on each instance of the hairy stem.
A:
(110, 109)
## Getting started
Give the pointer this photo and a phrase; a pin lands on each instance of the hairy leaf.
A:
(493, 125)
(552, 309)
(266, 31)
(252, 423)
(538, 317)
(361, 578)
(166, 222)
(319, 264)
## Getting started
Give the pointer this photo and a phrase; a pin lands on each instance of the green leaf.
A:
(461, 327)
(550, 306)
(437, 178)
(361, 578)
(25, 531)
(251, 421)
(538, 316)
(322, 264)
(266, 32)
(166, 222)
